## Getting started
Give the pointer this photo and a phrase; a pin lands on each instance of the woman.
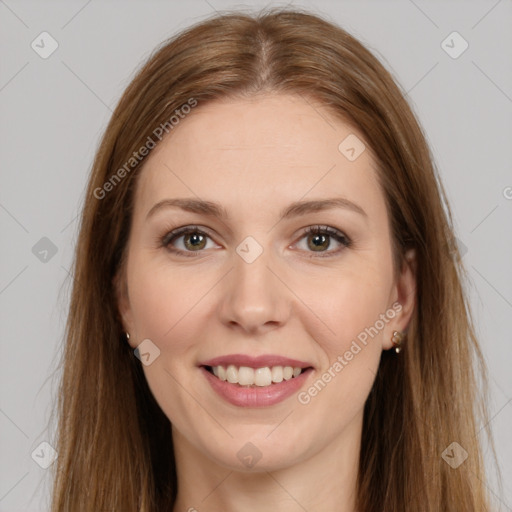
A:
(268, 309)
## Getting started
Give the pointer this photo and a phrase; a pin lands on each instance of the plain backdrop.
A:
(53, 111)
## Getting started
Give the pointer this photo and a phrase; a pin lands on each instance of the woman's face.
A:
(256, 283)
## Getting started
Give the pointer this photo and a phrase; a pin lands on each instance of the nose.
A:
(254, 298)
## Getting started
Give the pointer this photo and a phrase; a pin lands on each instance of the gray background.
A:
(54, 110)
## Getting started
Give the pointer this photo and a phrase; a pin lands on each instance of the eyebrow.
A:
(295, 209)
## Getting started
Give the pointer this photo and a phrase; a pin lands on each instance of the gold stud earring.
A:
(397, 340)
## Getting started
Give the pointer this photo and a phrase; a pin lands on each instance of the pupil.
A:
(195, 238)
(316, 238)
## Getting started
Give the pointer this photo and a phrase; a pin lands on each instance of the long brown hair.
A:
(114, 442)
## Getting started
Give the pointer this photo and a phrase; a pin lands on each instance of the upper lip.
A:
(255, 362)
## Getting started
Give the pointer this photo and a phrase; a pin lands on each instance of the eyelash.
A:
(315, 230)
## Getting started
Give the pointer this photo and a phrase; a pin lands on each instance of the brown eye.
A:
(319, 239)
(193, 240)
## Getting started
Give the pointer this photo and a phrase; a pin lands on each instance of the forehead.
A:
(272, 149)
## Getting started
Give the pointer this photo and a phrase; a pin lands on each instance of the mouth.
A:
(256, 381)
(248, 377)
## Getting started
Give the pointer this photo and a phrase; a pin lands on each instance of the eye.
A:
(194, 240)
(319, 238)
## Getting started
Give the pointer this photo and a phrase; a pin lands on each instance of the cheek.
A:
(152, 305)
(349, 304)
(171, 306)
(160, 298)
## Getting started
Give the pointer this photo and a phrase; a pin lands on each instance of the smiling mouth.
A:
(245, 376)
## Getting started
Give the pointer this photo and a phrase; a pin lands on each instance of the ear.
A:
(123, 305)
(403, 298)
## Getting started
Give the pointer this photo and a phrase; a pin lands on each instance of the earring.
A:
(127, 336)
(397, 340)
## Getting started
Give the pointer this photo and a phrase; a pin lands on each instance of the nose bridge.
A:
(254, 296)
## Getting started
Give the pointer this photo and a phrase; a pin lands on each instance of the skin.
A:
(255, 157)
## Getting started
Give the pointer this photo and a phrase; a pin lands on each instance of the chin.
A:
(256, 453)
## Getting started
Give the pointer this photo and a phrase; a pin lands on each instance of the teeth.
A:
(232, 374)
(221, 373)
(277, 374)
(246, 376)
(262, 376)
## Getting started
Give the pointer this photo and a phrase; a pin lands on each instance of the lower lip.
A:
(263, 396)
